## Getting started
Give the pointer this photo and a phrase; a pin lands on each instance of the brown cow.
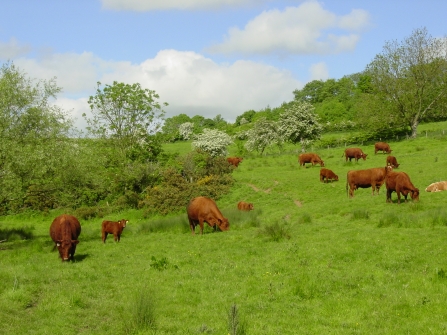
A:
(392, 161)
(245, 206)
(64, 231)
(113, 227)
(374, 178)
(382, 146)
(234, 161)
(203, 209)
(328, 174)
(356, 153)
(401, 183)
(437, 187)
(310, 158)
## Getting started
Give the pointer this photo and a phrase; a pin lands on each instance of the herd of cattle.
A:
(65, 229)
(398, 182)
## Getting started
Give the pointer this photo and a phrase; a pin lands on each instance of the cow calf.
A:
(113, 227)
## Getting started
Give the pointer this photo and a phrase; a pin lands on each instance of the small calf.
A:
(113, 227)
(245, 206)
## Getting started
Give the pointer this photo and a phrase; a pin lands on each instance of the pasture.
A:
(307, 260)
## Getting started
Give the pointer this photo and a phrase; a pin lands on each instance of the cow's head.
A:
(336, 178)
(364, 156)
(66, 248)
(123, 222)
(415, 194)
(321, 163)
(250, 206)
(223, 224)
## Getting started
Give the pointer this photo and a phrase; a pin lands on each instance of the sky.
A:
(204, 57)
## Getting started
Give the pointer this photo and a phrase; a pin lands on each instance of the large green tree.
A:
(126, 115)
(409, 80)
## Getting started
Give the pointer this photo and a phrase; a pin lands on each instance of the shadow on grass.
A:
(15, 234)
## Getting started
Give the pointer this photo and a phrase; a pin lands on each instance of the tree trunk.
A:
(414, 127)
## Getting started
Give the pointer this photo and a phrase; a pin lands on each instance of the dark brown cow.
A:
(356, 153)
(113, 227)
(203, 209)
(310, 158)
(64, 231)
(328, 175)
(382, 146)
(401, 183)
(245, 206)
(374, 178)
(234, 160)
(392, 161)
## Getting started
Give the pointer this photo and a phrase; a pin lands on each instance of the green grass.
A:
(307, 260)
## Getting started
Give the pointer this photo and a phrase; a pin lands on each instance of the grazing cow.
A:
(328, 175)
(245, 206)
(234, 161)
(203, 209)
(374, 178)
(437, 187)
(64, 231)
(401, 183)
(391, 161)
(382, 146)
(310, 158)
(113, 227)
(356, 153)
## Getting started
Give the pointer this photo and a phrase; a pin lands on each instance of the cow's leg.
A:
(119, 237)
(104, 236)
(388, 195)
(192, 226)
(201, 226)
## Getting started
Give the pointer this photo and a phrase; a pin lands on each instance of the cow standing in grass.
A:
(64, 231)
(113, 227)
(400, 183)
(203, 209)
(374, 178)
(310, 158)
(355, 153)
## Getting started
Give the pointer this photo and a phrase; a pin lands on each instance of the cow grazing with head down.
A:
(400, 183)
(382, 146)
(64, 231)
(310, 158)
(437, 187)
(328, 175)
(373, 178)
(113, 227)
(234, 161)
(392, 161)
(204, 209)
(245, 206)
(355, 153)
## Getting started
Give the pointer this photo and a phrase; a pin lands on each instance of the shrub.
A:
(212, 141)
(275, 232)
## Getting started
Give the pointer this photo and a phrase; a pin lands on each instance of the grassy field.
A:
(307, 260)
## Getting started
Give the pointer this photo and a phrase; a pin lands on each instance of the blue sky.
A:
(204, 57)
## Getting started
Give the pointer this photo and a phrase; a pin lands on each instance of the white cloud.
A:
(12, 49)
(189, 82)
(319, 71)
(295, 30)
(75, 108)
(148, 5)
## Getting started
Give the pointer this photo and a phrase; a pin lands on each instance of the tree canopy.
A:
(409, 80)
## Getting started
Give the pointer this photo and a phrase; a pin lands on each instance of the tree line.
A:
(119, 163)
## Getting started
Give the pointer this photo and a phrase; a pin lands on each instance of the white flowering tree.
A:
(212, 141)
(299, 124)
(185, 130)
(263, 134)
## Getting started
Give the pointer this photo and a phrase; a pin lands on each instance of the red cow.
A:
(64, 231)
(401, 183)
(113, 227)
(382, 146)
(437, 187)
(245, 206)
(392, 161)
(328, 175)
(310, 158)
(203, 209)
(374, 178)
(356, 153)
(234, 160)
